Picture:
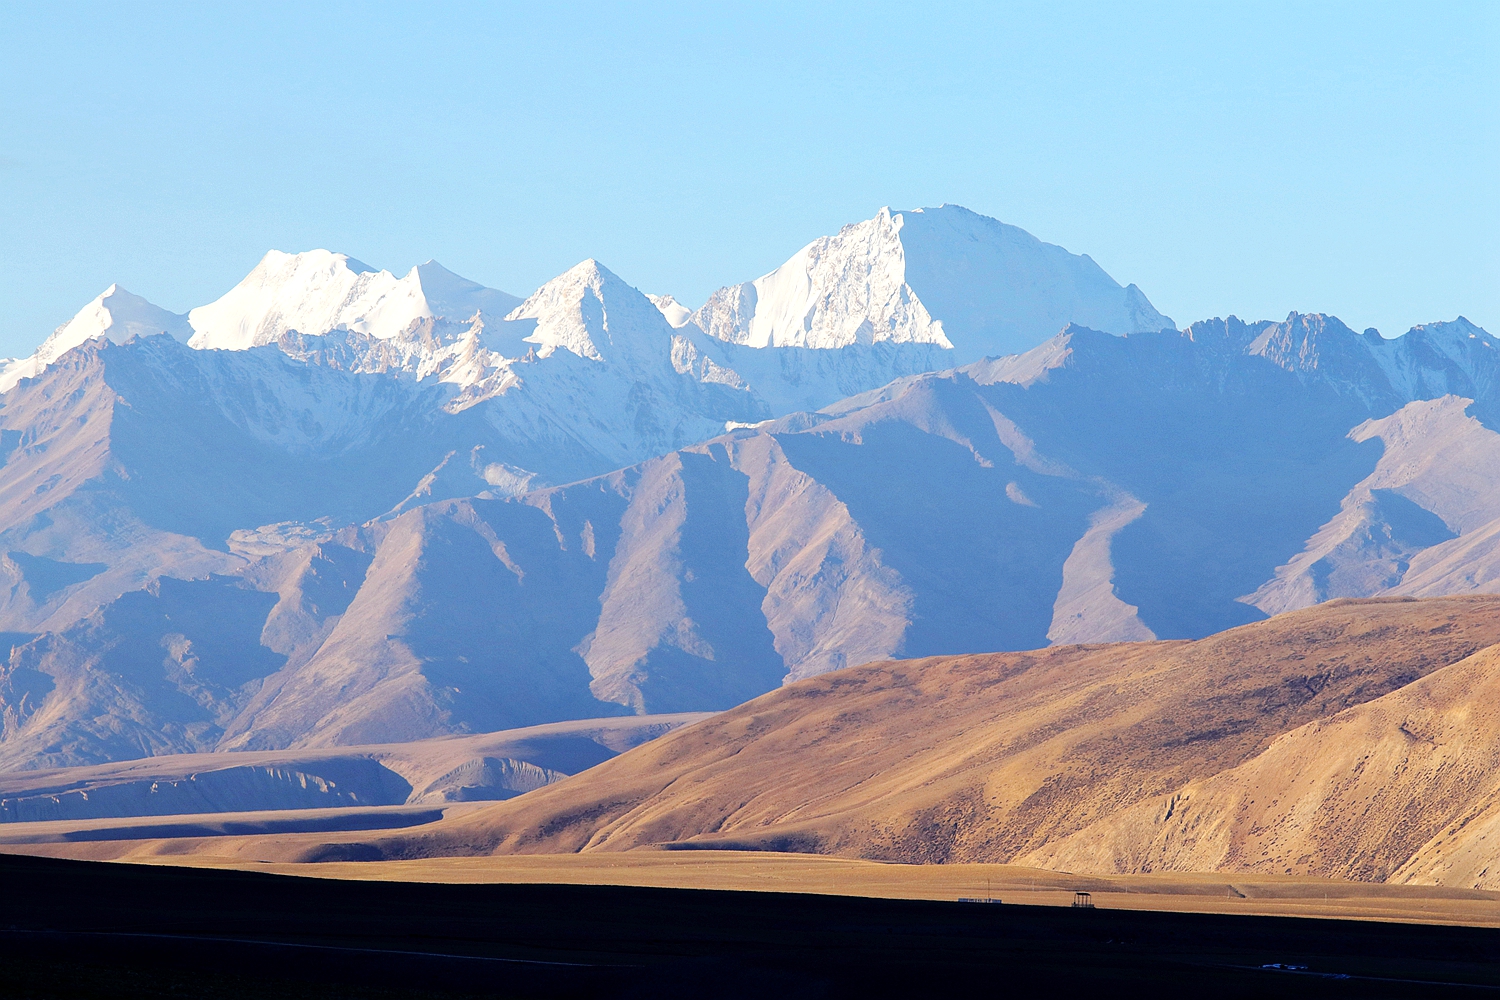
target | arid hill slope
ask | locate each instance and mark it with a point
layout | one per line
(982, 758)
(1404, 788)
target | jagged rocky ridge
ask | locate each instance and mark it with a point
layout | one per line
(351, 536)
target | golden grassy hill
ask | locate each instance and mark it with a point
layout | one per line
(1000, 757)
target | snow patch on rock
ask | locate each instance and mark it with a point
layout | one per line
(675, 313)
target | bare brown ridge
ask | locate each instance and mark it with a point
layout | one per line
(986, 758)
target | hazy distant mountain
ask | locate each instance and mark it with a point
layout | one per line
(1097, 488)
(1164, 485)
(998, 287)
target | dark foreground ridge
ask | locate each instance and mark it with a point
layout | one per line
(78, 929)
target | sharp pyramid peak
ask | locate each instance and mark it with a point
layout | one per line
(114, 292)
(432, 269)
(586, 274)
(565, 287)
(120, 304)
(591, 268)
(592, 312)
(435, 278)
(117, 296)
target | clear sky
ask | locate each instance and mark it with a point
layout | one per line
(1246, 158)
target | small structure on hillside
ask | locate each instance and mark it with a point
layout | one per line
(1082, 901)
(988, 896)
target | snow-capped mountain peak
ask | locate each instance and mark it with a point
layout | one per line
(944, 276)
(318, 291)
(115, 313)
(838, 290)
(311, 292)
(589, 311)
(455, 297)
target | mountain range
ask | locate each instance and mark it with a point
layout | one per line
(337, 507)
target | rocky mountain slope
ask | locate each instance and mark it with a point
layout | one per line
(1098, 488)
(1355, 739)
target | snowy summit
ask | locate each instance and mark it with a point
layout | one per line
(317, 292)
(944, 276)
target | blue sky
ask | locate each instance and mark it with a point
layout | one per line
(1229, 158)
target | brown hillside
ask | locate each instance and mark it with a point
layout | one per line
(1402, 788)
(979, 758)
